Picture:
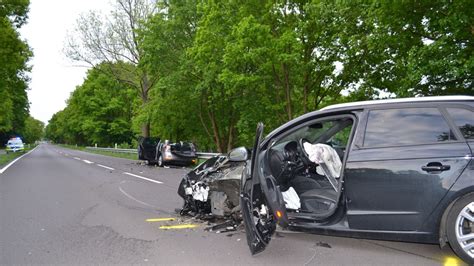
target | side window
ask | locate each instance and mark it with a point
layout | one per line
(407, 126)
(464, 120)
(341, 138)
(332, 132)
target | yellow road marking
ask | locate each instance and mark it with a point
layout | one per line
(451, 261)
(160, 219)
(180, 226)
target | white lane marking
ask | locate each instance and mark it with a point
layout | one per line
(106, 167)
(14, 161)
(144, 178)
(132, 198)
(77, 158)
(88, 162)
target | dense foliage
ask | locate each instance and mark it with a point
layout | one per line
(219, 67)
(33, 130)
(14, 55)
(98, 112)
(98, 39)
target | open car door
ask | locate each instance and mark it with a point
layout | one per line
(261, 201)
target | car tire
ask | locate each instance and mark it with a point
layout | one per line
(160, 161)
(460, 223)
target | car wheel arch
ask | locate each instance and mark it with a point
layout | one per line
(443, 238)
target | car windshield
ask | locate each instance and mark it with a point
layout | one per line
(15, 142)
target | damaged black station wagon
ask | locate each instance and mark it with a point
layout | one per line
(389, 169)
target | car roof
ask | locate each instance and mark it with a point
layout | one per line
(361, 105)
(400, 100)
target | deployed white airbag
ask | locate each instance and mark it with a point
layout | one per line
(329, 163)
(324, 154)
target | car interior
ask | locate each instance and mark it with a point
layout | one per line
(309, 160)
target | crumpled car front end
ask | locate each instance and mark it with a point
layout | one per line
(212, 189)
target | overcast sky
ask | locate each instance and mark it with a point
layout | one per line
(53, 76)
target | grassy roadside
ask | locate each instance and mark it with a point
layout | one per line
(6, 158)
(113, 154)
(106, 153)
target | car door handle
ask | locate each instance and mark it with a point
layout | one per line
(435, 167)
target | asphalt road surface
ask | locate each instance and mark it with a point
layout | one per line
(60, 206)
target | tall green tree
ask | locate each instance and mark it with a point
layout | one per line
(33, 130)
(14, 55)
(113, 39)
(100, 111)
(166, 38)
(412, 48)
(219, 67)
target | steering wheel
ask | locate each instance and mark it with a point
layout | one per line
(302, 151)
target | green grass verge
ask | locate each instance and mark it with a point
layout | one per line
(106, 153)
(5, 158)
(113, 154)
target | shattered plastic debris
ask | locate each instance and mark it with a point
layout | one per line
(219, 226)
(200, 191)
(322, 244)
(224, 227)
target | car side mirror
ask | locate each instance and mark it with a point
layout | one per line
(239, 154)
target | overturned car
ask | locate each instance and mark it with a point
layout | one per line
(212, 189)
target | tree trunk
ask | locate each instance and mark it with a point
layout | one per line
(146, 130)
(287, 89)
(230, 137)
(215, 130)
(279, 84)
(145, 88)
(305, 93)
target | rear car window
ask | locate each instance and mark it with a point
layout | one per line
(407, 126)
(464, 120)
(182, 146)
(151, 141)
